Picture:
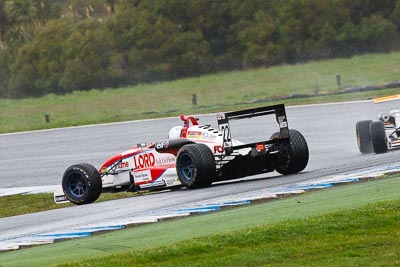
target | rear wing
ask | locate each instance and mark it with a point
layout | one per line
(280, 114)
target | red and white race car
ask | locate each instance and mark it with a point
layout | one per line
(193, 156)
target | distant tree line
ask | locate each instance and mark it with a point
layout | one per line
(58, 46)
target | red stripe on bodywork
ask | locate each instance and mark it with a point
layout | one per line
(123, 155)
(110, 161)
(155, 174)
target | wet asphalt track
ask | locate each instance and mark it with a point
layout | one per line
(40, 158)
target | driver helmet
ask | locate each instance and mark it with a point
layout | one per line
(175, 132)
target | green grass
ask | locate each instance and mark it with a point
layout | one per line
(350, 238)
(22, 204)
(352, 225)
(215, 92)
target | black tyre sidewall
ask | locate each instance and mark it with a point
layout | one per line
(293, 157)
(378, 137)
(363, 135)
(92, 180)
(204, 162)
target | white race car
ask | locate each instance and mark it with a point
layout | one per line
(384, 134)
(193, 156)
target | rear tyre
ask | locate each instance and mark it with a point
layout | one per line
(82, 184)
(293, 157)
(364, 137)
(378, 137)
(195, 166)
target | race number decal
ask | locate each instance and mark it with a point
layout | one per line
(226, 133)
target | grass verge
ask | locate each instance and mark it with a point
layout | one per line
(216, 92)
(350, 238)
(22, 204)
(349, 225)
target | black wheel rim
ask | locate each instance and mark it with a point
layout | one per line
(186, 167)
(76, 185)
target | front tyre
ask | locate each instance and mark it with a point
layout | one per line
(378, 137)
(195, 166)
(364, 137)
(293, 157)
(82, 184)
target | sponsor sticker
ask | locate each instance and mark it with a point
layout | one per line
(59, 196)
(162, 145)
(283, 124)
(194, 134)
(218, 149)
(170, 181)
(208, 135)
(144, 160)
(227, 144)
(142, 176)
(157, 183)
(123, 165)
(282, 121)
(107, 180)
(166, 161)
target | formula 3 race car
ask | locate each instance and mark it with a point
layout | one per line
(384, 134)
(193, 156)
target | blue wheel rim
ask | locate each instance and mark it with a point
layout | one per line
(76, 185)
(187, 167)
